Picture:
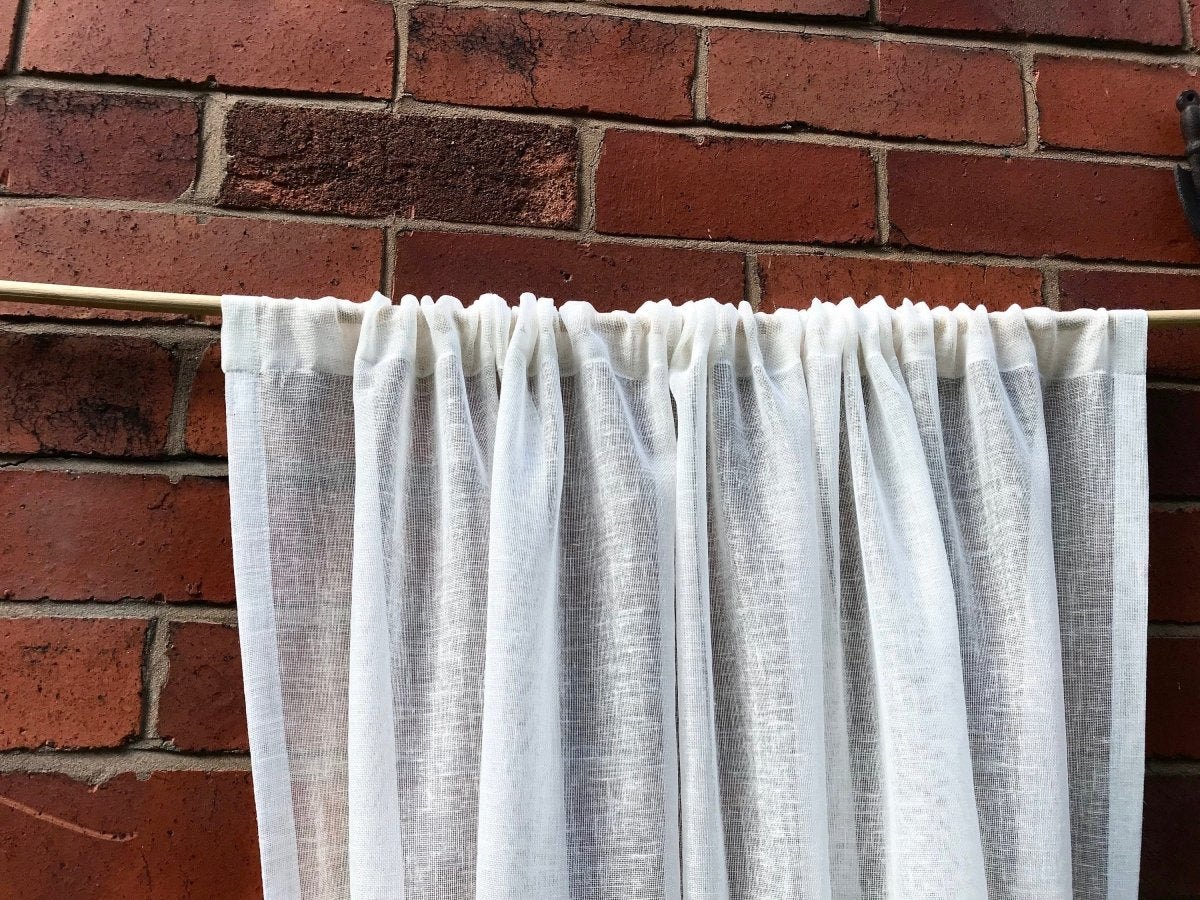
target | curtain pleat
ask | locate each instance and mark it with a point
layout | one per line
(693, 602)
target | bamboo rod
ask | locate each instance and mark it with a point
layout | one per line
(210, 304)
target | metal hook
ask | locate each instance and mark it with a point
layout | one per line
(1187, 179)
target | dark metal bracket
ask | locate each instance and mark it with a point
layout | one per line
(1187, 179)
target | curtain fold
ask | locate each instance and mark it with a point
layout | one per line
(692, 602)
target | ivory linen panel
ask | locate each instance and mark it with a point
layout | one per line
(693, 602)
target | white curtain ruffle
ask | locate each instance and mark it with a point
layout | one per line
(692, 602)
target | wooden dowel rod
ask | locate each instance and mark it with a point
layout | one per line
(1172, 318)
(210, 304)
(110, 298)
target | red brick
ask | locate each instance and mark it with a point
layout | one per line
(75, 144)
(673, 184)
(92, 394)
(1171, 352)
(1172, 696)
(793, 281)
(1170, 836)
(202, 706)
(1139, 21)
(70, 682)
(1174, 549)
(8, 19)
(200, 255)
(1173, 432)
(535, 60)
(377, 164)
(1110, 104)
(163, 836)
(334, 48)
(834, 8)
(1037, 207)
(205, 433)
(761, 78)
(609, 276)
(67, 536)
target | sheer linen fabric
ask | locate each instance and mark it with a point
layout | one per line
(695, 602)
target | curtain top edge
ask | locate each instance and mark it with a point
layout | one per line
(331, 335)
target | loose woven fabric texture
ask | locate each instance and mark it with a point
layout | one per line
(693, 602)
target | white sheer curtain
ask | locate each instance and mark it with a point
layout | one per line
(692, 602)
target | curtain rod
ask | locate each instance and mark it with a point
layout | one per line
(210, 304)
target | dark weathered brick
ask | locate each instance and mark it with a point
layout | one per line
(84, 393)
(71, 143)
(549, 60)
(377, 164)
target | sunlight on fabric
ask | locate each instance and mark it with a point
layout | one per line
(538, 602)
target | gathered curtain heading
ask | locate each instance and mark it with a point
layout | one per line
(692, 602)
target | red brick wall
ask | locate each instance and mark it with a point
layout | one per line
(1007, 151)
